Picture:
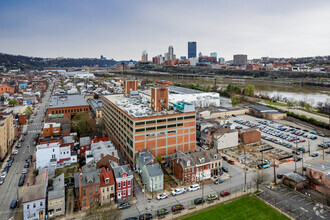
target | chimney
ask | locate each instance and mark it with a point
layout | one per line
(102, 155)
(113, 153)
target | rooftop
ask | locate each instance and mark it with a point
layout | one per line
(106, 147)
(47, 125)
(90, 174)
(297, 177)
(44, 146)
(136, 107)
(58, 189)
(144, 157)
(106, 174)
(62, 101)
(95, 103)
(37, 191)
(154, 170)
(262, 108)
(118, 171)
(84, 141)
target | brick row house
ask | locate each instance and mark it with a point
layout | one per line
(195, 166)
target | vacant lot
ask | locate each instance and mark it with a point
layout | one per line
(248, 207)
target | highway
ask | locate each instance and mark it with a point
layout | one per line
(9, 190)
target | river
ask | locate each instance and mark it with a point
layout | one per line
(297, 92)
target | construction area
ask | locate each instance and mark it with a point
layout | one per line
(257, 155)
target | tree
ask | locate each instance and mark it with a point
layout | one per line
(12, 102)
(159, 158)
(28, 111)
(260, 177)
(104, 212)
(308, 107)
(236, 99)
(84, 124)
(249, 90)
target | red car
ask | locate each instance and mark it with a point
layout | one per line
(224, 193)
(302, 140)
(231, 162)
(177, 207)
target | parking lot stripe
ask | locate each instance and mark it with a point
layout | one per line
(302, 199)
(294, 196)
(309, 203)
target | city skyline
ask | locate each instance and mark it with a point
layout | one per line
(122, 30)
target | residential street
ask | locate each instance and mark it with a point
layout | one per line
(10, 190)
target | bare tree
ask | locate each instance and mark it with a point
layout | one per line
(260, 177)
(105, 212)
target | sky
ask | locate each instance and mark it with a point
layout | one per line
(122, 29)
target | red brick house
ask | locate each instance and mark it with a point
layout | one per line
(124, 183)
(249, 135)
(183, 167)
(6, 89)
(85, 144)
(107, 186)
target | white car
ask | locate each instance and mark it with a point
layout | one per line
(3, 175)
(15, 152)
(178, 191)
(162, 196)
(25, 170)
(193, 187)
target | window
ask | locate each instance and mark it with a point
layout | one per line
(107, 180)
(151, 122)
(140, 123)
(90, 190)
(111, 188)
(96, 190)
(124, 183)
(124, 192)
(128, 183)
(171, 126)
(180, 124)
(171, 119)
(28, 206)
(119, 193)
(84, 192)
(151, 128)
(108, 197)
(90, 201)
(58, 210)
(50, 203)
(103, 190)
(118, 185)
(161, 120)
(180, 118)
(40, 203)
(84, 202)
(139, 130)
(61, 200)
(161, 127)
(129, 191)
(107, 189)
(103, 197)
(189, 117)
(34, 205)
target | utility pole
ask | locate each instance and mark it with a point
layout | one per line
(145, 202)
(323, 150)
(274, 172)
(203, 188)
(309, 147)
(152, 188)
(302, 164)
(295, 157)
(244, 168)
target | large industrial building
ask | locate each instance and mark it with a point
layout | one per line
(134, 123)
(68, 105)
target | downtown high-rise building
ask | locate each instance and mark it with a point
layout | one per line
(192, 49)
(144, 57)
(240, 59)
(170, 53)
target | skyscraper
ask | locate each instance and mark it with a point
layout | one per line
(240, 59)
(170, 52)
(192, 50)
(214, 54)
(144, 56)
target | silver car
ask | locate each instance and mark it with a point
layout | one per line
(25, 170)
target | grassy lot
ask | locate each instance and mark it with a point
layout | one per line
(275, 103)
(248, 207)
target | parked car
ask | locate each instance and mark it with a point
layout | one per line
(19, 145)
(327, 152)
(177, 207)
(224, 158)
(211, 197)
(218, 181)
(315, 155)
(231, 162)
(25, 170)
(178, 191)
(14, 204)
(146, 216)
(162, 212)
(224, 193)
(15, 152)
(225, 169)
(22, 139)
(162, 196)
(2, 180)
(25, 133)
(21, 180)
(3, 174)
(26, 165)
(124, 205)
(205, 148)
(199, 201)
(193, 187)
(297, 159)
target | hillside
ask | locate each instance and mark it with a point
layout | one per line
(28, 63)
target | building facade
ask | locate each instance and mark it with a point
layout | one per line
(6, 89)
(56, 197)
(7, 133)
(124, 183)
(52, 154)
(107, 186)
(192, 49)
(133, 126)
(240, 60)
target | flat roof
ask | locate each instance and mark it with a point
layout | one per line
(135, 107)
(68, 100)
(323, 167)
(262, 108)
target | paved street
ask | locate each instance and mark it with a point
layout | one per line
(10, 190)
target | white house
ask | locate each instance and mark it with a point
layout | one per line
(53, 155)
(222, 140)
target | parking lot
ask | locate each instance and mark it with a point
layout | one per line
(295, 204)
(282, 134)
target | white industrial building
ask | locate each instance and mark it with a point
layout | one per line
(53, 155)
(101, 149)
